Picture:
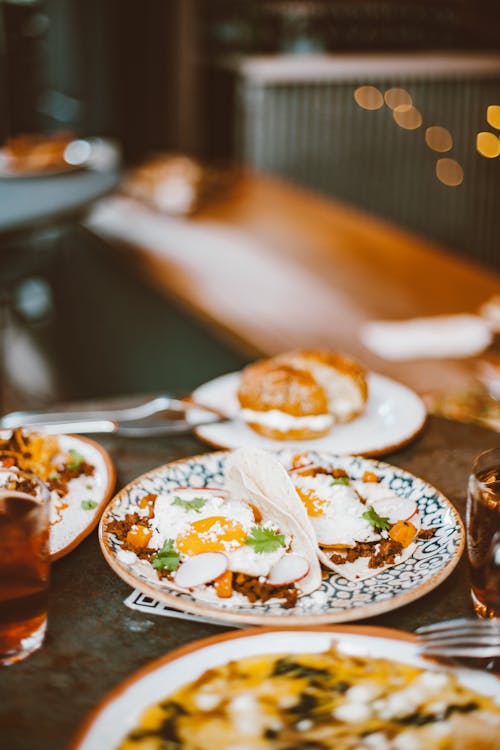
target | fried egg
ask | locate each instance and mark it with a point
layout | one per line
(335, 511)
(211, 534)
(200, 521)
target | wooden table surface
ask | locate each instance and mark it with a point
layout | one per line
(275, 267)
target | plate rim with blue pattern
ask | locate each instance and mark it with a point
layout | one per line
(337, 600)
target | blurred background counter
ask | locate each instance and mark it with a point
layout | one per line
(389, 107)
(274, 267)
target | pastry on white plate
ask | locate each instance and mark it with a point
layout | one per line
(301, 394)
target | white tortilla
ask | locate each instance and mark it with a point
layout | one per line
(359, 570)
(261, 474)
(258, 477)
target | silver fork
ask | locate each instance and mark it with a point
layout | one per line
(134, 421)
(463, 637)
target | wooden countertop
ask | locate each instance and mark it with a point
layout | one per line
(275, 267)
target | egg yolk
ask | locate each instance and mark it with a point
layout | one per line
(213, 534)
(314, 505)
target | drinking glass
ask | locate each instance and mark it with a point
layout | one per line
(483, 532)
(24, 564)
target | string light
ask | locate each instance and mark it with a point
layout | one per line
(493, 116)
(397, 98)
(488, 144)
(407, 117)
(438, 138)
(368, 97)
(449, 172)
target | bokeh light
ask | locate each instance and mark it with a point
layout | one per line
(488, 144)
(368, 97)
(407, 117)
(449, 172)
(493, 116)
(438, 138)
(397, 98)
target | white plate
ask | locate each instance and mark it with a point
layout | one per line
(394, 415)
(121, 710)
(337, 600)
(71, 518)
(8, 173)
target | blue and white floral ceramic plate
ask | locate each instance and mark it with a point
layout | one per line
(338, 600)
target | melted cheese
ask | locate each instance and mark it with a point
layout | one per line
(322, 700)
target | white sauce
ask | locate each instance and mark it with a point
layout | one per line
(341, 521)
(342, 391)
(280, 420)
(245, 560)
(127, 557)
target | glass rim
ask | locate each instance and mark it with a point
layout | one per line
(44, 490)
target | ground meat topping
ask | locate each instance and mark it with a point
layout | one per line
(426, 533)
(256, 590)
(380, 553)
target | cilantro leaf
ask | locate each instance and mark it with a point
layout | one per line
(76, 459)
(265, 540)
(167, 558)
(54, 475)
(89, 504)
(196, 503)
(340, 480)
(378, 522)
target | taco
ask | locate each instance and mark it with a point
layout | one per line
(227, 544)
(361, 526)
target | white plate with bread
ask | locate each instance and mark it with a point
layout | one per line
(314, 400)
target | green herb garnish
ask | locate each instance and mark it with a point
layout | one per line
(76, 460)
(265, 540)
(167, 558)
(89, 504)
(196, 503)
(54, 475)
(378, 522)
(340, 480)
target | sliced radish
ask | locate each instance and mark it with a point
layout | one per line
(200, 490)
(202, 568)
(288, 569)
(395, 508)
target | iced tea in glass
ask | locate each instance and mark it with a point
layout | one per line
(483, 533)
(24, 564)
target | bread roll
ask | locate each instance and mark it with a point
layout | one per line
(299, 395)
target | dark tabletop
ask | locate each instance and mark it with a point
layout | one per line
(94, 641)
(31, 202)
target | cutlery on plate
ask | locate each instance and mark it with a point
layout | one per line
(463, 637)
(133, 421)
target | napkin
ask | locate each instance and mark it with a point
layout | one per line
(439, 336)
(139, 601)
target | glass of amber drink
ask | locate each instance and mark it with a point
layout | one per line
(24, 564)
(483, 532)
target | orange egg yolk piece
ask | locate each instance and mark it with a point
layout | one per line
(315, 506)
(213, 534)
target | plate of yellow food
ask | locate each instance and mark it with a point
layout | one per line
(252, 537)
(282, 689)
(311, 399)
(78, 472)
